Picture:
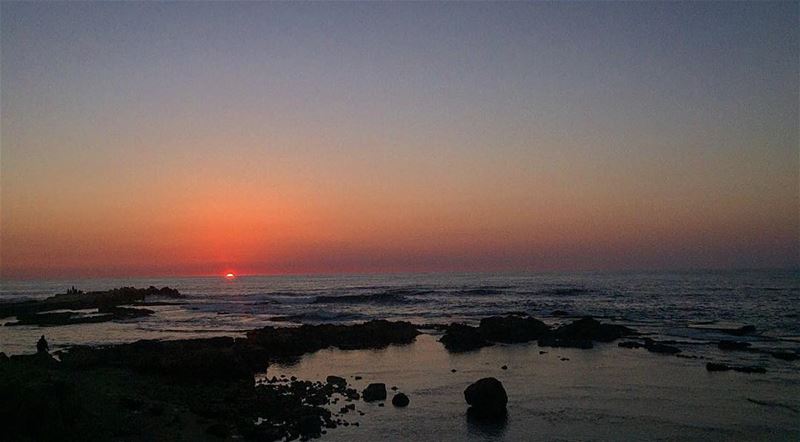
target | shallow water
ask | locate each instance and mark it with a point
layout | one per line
(602, 393)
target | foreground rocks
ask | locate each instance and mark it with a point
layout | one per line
(188, 389)
(487, 398)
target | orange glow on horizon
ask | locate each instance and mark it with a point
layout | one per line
(230, 276)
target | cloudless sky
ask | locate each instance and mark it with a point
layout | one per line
(172, 138)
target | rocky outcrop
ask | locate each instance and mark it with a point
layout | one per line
(512, 328)
(461, 337)
(308, 338)
(487, 397)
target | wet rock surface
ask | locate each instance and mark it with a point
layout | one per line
(486, 398)
(461, 337)
(374, 392)
(400, 400)
(308, 338)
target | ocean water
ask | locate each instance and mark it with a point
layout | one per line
(606, 393)
(689, 307)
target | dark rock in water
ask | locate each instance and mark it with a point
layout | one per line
(394, 388)
(591, 329)
(452, 370)
(512, 329)
(400, 400)
(487, 397)
(630, 344)
(219, 430)
(505, 367)
(554, 341)
(283, 342)
(560, 313)
(358, 378)
(784, 355)
(460, 338)
(77, 300)
(3, 357)
(713, 366)
(741, 331)
(336, 381)
(733, 345)
(656, 347)
(374, 392)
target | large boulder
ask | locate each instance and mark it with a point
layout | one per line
(374, 392)
(487, 397)
(512, 328)
(461, 337)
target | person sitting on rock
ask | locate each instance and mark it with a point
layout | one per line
(42, 346)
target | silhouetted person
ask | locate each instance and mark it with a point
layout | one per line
(42, 346)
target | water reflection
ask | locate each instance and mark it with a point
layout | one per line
(491, 426)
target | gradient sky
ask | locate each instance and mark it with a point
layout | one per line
(196, 138)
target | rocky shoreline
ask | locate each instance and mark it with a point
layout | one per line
(206, 388)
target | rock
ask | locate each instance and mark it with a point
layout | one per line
(394, 388)
(733, 345)
(512, 329)
(452, 370)
(487, 397)
(461, 338)
(590, 329)
(554, 341)
(747, 369)
(219, 430)
(505, 367)
(374, 392)
(295, 341)
(784, 355)
(358, 378)
(655, 347)
(400, 400)
(713, 366)
(741, 331)
(336, 381)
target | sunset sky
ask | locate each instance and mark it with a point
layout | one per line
(267, 138)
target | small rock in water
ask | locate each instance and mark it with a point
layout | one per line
(374, 392)
(337, 381)
(380, 404)
(733, 345)
(784, 355)
(565, 359)
(541, 352)
(358, 378)
(453, 370)
(394, 388)
(400, 400)
(741, 331)
(487, 397)
(505, 367)
(713, 366)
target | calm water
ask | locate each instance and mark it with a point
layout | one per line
(683, 306)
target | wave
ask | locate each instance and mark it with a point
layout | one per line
(564, 291)
(318, 316)
(481, 291)
(379, 298)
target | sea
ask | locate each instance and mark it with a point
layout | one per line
(692, 307)
(606, 393)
